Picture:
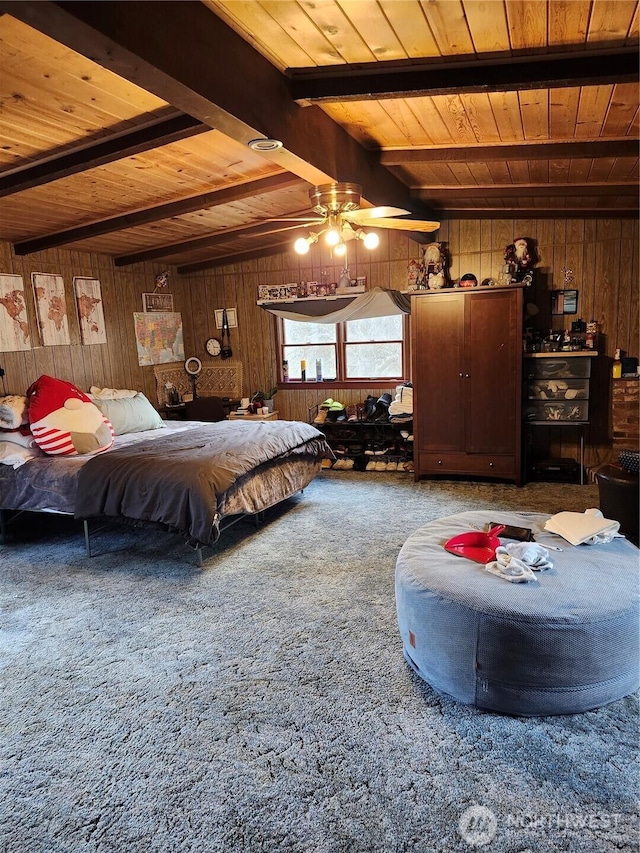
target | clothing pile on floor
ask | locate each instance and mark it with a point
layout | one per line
(401, 409)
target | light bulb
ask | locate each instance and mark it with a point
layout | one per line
(332, 237)
(340, 249)
(301, 245)
(371, 240)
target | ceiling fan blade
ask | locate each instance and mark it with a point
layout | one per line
(368, 213)
(405, 224)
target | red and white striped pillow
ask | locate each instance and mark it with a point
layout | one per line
(64, 421)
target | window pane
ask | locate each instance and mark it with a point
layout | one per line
(365, 361)
(326, 354)
(375, 329)
(306, 333)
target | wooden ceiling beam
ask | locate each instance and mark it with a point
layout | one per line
(585, 149)
(225, 195)
(142, 138)
(508, 73)
(217, 238)
(187, 56)
(519, 190)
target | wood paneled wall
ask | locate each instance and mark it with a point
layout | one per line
(602, 254)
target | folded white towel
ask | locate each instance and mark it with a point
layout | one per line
(583, 528)
(404, 408)
(404, 394)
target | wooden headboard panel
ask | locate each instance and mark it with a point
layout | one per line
(216, 379)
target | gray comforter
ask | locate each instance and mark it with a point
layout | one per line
(177, 479)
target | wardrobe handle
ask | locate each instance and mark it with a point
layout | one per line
(466, 376)
(461, 375)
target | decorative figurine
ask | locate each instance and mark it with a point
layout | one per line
(434, 265)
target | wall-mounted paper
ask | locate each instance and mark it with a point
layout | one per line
(15, 334)
(90, 313)
(51, 309)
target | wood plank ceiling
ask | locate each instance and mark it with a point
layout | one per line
(124, 126)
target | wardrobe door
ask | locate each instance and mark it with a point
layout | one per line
(492, 372)
(437, 325)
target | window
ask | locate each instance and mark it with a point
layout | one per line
(354, 351)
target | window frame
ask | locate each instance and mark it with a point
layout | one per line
(340, 344)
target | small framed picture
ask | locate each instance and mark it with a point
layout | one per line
(232, 318)
(564, 301)
(157, 302)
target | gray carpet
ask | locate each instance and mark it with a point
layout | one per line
(262, 703)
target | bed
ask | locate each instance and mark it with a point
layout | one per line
(190, 478)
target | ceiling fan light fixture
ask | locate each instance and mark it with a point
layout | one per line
(371, 240)
(264, 144)
(302, 244)
(340, 249)
(332, 237)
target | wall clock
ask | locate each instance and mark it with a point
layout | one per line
(213, 346)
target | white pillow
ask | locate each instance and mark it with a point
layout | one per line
(16, 455)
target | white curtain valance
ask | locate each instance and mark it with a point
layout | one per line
(377, 302)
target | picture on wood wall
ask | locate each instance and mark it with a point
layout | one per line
(15, 334)
(51, 309)
(232, 318)
(157, 302)
(158, 337)
(90, 313)
(564, 301)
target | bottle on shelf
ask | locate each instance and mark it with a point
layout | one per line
(318, 370)
(285, 371)
(303, 369)
(617, 365)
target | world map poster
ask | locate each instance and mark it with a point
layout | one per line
(51, 309)
(158, 337)
(15, 334)
(90, 313)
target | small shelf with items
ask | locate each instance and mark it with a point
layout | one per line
(368, 445)
(556, 394)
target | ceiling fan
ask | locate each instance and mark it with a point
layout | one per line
(338, 213)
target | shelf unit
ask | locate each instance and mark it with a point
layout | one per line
(555, 395)
(369, 441)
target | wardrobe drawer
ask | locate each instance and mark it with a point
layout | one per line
(474, 464)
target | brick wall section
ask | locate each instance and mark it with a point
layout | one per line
(625, 415)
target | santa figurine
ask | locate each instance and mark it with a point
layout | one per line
(64, 421)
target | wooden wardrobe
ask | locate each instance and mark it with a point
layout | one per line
(467, 377)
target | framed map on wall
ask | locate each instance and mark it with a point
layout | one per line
(15, 334)
(51, 309)
(90, 313)
(158, 337)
